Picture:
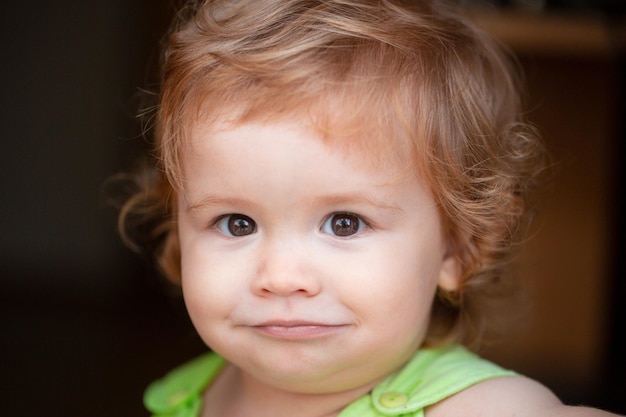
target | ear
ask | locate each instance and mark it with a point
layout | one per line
(450, 273)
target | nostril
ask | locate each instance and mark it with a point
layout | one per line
(286, 285)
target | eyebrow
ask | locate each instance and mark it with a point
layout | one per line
(358, 199)
(211, 200)
(328, 200)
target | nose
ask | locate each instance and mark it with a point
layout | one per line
(285, 269)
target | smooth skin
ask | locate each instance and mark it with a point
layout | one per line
(312, 271)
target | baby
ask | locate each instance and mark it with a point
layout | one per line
(338, 188)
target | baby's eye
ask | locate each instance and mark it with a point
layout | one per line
(236, 225)
(343, 224)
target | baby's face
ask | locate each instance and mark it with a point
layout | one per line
(305, 266)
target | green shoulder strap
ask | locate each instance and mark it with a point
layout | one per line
(431, 376)
(179, 393)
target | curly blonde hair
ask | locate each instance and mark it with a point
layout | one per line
(414, 78)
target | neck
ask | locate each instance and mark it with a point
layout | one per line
(237, 394)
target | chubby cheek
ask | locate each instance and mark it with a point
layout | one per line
(397, 290)
(403, 305)
(209, 288)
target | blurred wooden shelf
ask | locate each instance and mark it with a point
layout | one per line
(549, 33)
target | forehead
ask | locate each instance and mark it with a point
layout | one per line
(286, 162)
(367, 144)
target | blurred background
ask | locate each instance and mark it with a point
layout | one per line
(85, 324)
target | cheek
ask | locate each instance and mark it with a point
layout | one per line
(209, 284)
(403, 262)
(209, 297)
(399, 282)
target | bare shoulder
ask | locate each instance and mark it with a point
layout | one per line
(509, 396)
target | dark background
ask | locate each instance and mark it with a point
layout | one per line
(84, 323)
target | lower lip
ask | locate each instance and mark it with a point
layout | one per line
(298, 332)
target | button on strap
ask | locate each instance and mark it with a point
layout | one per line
(393, 399)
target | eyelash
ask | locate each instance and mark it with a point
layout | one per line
(227, 223)
(223, 224)
(362, 225)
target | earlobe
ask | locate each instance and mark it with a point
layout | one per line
(450, 274)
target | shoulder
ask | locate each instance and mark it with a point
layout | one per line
(509, 396)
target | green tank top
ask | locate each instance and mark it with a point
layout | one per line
(429, 377)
